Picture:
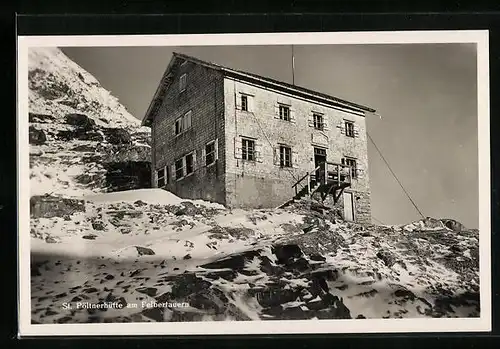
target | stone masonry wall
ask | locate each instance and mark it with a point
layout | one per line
(204, 97)
(263, 183)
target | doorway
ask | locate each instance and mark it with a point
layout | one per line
(348, 207)
(319, 158)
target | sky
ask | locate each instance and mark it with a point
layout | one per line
(426, 95)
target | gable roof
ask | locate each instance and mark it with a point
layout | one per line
(257, 79)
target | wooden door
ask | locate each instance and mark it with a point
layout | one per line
(348, 207)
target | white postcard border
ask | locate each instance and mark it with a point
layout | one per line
(483, 323)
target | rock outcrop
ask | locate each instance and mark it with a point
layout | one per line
(82, 139)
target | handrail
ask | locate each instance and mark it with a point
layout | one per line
(300, 180)
(306, 175)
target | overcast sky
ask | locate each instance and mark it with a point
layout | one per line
(426, 94)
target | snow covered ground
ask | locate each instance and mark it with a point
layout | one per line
(151, 246)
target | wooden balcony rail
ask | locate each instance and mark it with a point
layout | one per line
(326, 173)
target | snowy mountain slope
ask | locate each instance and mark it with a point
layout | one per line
(199, 261)
(82, 140)
(58, 86)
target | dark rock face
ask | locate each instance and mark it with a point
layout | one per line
(81, 134)
(47, 206)
(127, 175)
(36, 137)
(117, 136)
(80, 120)
(40, 118)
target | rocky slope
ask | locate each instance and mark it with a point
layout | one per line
(82, 140)
(146, 255)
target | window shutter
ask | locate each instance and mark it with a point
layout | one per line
(292, 115)
(342, 127)
(187, 120)
(276, 156)
(310, 121)
(237, 148)
(250, 104)
(295, 159)
(173, 129)
(156, 179)
(216, 149)
(356, 130)
(174, 173)
(325, 124)
(238, 101)
(258, 152)
(194, 160)
(359, 173)
(277, 111)
(203, 161)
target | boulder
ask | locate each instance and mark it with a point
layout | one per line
(40, 118)
(453, 224)
(80, 121)
(144, 251)
(117, 135)
(47, 206)
(36, 137)
(386, 257)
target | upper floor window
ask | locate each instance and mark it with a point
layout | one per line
(349, 128)
(318, 121)
(284, 112)
(182, 82)
(352, 163)
(248, 149)
(183, 123)
(285, 156)
(244, 103)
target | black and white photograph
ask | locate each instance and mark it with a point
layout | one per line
(294, 183)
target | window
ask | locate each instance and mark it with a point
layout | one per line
(183, 123)
(179, 168)
(284, 112)
(182, 82)
(210, 153)
(248, 149)
(285, 156)
(352, 163)
(318, 121)
(178, 126)
(244, 103)
(189, 164)
(349, 128)
(160, 178)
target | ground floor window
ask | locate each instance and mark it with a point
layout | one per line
(248, 149)
(160, 178)
(210, 153)
(179, 168)
(285, 156)
(352, 163)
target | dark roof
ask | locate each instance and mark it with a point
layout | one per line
(261, 80)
